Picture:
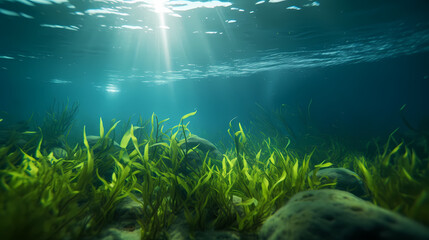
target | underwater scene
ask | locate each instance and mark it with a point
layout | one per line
(214, 119)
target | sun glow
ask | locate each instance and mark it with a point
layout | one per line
(160, 8)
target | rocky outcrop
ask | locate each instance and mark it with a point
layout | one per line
(194, 159)
(203, 145)
(346, 180)
(92, 140)
(59, 152)
(336, 215)
(124, 224)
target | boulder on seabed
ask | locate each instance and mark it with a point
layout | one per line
(92, 140)
(346, 180)
(124, 225)
(336, 215)
(204, 145)
(59, 152)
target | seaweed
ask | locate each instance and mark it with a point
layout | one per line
(76, 195)
(57, 123)
(285, 124)
(39, 199)
(397, 179)
(419, 138)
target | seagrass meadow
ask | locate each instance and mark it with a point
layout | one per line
(53, 190)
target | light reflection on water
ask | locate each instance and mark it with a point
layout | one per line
(160, 42)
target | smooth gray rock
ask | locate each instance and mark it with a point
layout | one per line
(179, 230)
(204, 145)
(92, 140)
(195, 159)
(59, 152)
(216, 235)
(127, 212)
(338, 215)
(124, 225)
(114, 233)
(346, 180)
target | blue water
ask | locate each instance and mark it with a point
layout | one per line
(357, 62)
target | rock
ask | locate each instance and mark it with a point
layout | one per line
(59, 152)
(333, 215)
(124, 225)
(113, 233)
(236, 201)
(204, 145)
(92, 140)
(346, 180)
(179, 230)
(127, 212)
(216, 235)
(195, 159)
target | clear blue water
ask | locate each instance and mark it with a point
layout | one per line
(358, 61)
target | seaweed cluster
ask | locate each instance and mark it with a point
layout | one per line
(397, 179)
(57, 123)
(44, 196)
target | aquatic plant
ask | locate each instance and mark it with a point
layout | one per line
(152, 173)
(286, 123)
(205, 195)
(418, 136)
(38, 199)
(57, 123)
(397, 179)
(263, 186)
(43, 197)
(76, 195)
